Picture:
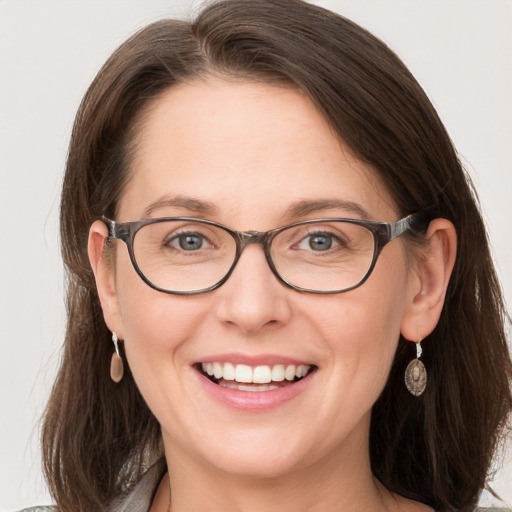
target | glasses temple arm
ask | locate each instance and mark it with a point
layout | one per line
(112, 228)
(399, 227)
(417, 222)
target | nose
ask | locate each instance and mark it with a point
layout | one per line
(253, 298)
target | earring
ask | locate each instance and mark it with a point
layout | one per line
(116, 363)
(416, 374)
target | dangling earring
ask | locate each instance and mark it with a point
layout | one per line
(416, 374)
(116, 363)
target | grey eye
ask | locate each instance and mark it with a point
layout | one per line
(317, 242)
(188, 241)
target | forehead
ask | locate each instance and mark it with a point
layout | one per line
(244, 147)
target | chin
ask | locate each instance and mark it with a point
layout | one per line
(261, 467)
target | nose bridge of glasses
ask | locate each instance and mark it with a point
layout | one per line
(251, 237)
(245, 238)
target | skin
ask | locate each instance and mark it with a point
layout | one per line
(252, 150)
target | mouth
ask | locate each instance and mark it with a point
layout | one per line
(260, 378)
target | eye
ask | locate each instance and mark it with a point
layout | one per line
(187, 241)
(318, 242)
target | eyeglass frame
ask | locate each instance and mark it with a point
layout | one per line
(383, 233)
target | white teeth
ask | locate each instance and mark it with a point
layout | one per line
(217, 370)
(248, 387)
(304, 370)
(243, 373)
(228, 372)
(264, 374)
(278, 373)
(290, 372)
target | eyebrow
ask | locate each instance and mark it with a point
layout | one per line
(189, 203)
(297, 209)
(306, 207)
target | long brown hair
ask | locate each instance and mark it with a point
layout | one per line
(99, 437)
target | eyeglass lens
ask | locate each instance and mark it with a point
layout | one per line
(184, 256)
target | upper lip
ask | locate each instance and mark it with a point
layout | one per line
(252, 360)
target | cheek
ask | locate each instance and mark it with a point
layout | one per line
(364, 328)
(155, 324)
(364, 337)
(381, 305)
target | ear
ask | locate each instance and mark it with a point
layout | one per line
(430, 276)
(104, 274)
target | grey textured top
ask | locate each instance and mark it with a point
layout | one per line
(39, 509)
(137, 500)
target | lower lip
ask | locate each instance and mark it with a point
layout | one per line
(255, 400)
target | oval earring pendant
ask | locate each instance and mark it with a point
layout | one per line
(416, 377)
(116, 368)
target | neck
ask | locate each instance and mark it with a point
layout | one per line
(325, 484)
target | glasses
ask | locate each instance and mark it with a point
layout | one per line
(187, 256)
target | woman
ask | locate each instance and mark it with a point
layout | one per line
(355, 360)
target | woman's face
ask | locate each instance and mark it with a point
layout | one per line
(246, 155)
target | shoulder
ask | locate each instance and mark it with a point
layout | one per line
(45, 508)
(139, 498)
(492, 509)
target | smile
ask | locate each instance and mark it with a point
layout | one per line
(261, 378)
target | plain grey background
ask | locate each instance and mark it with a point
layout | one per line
(459, 50)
